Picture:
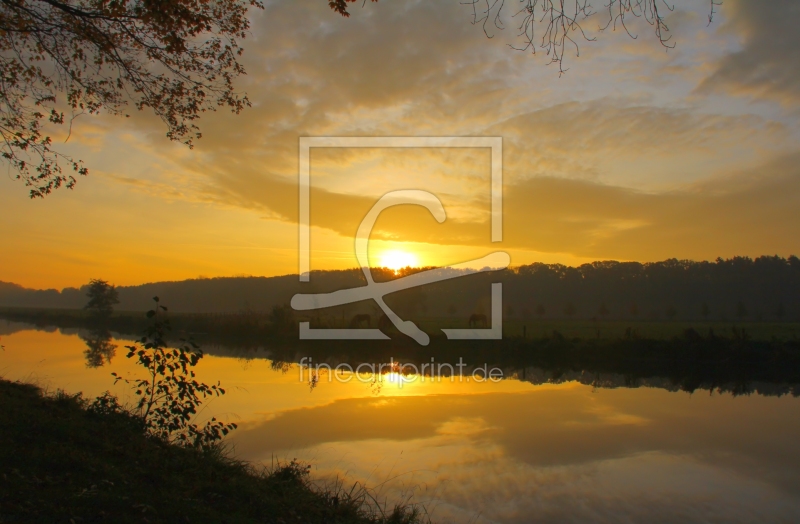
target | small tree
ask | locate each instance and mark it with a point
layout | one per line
(705, 311)
(102, 298)
(169, 396)
(634, 310)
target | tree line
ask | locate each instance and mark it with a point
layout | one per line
(737, 289)
(734, 289)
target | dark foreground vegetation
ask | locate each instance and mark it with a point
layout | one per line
(65, 460)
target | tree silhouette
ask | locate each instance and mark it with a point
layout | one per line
(102, 298)
(761, 283)
(64, 58)
(169, 394)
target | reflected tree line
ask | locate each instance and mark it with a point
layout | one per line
(729, 362)
(724, 363)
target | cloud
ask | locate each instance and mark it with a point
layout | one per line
(420, 68)
(597, 164)
(746, 213)
(749, 212)
(766, 64)
(632, 144)
(553, 454)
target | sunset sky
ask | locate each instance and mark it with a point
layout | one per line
(635, 153)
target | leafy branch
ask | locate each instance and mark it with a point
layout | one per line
(178, 58)
(169, 394)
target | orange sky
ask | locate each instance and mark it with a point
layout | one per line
(634, 154)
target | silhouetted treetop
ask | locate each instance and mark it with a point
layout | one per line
(102, 298)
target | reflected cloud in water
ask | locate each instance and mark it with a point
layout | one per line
(571, 447)
(568, 453)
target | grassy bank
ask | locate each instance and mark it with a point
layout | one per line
(61, 461)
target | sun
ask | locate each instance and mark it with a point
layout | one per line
(396, 259)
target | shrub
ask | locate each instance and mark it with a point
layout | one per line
(169, 396)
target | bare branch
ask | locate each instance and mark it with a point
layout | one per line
(560, 22)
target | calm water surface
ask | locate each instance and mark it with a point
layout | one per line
(509, 451)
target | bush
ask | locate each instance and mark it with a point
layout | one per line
(169, 396)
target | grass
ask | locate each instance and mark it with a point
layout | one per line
(62, 461)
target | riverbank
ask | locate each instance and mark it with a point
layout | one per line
(65, 462)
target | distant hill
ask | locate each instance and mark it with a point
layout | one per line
(736, 289)
(14, 295)
(193, 296)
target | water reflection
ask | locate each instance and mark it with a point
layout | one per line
(99, 348)
(543, 445)
(559, 453)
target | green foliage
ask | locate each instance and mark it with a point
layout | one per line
(102, 298)
(169, 396)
